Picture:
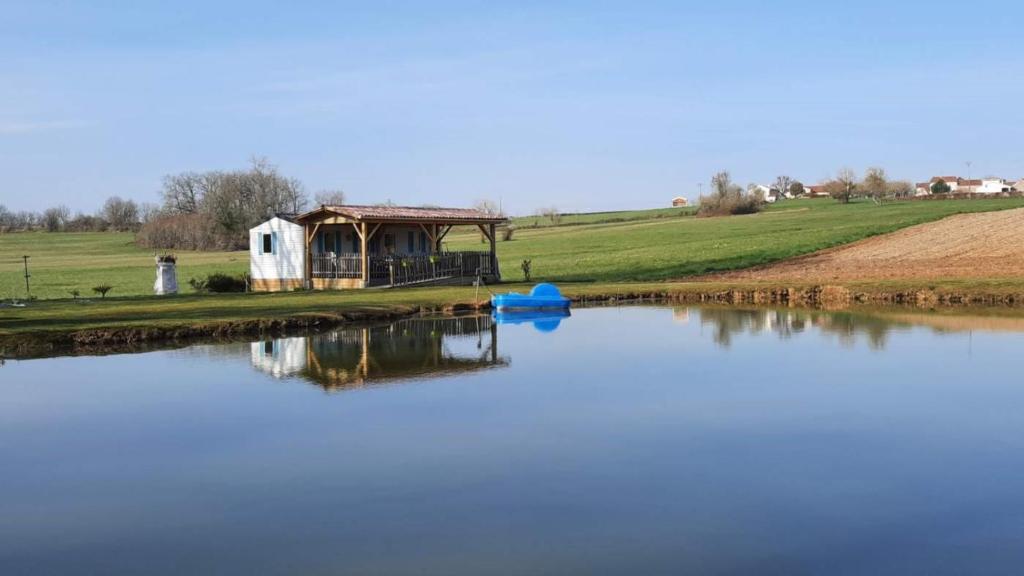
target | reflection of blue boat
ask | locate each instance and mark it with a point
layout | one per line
(543, 320)
(542, 297)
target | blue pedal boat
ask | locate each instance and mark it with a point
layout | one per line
(542, 297)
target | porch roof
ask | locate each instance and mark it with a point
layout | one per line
(402, 214)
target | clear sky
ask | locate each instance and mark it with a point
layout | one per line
(579, 105)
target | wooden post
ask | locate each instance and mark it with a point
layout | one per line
(363, 241)
(492, 229)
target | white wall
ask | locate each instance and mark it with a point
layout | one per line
(281, 357)
(991, 186)
(290, 260)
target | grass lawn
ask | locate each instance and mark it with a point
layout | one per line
(63, 262)
(672, 248)
(602, 247)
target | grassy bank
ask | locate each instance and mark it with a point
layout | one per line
(154, 313)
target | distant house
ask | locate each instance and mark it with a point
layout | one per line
(1018, 186)
(769, 194)
(817, 191)
(993, 186)
(336, 247)
(679, 202)
(972, 186)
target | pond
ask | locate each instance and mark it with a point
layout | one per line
(625, 440)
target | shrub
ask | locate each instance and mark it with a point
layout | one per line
(102, 290)
(507, 232)
(186, 232)
(526, 269)
(220, 283)
(726, 198)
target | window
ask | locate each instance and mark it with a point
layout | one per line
(268, 244)
(423, 242)
(412, 242)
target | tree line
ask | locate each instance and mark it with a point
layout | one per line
(116, 215)
(210, 210)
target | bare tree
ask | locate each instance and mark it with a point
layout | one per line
(489, 207)
(121, 214)
(334, 197)
(56, 219)
(728, 198)
(782, 184)
(183, 192)
(843, 186)
(552, 214)
(900, 189)
(875, 183)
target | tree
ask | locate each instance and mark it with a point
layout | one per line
(489, 207)
(901, 189)
(796, 189)
(330, 198)
(121, 214)
(183, 192)
(551, 213)
(875, 183)
(782, 184)
(941, 187)
(56, 219)
(843, 186)
(728, 198)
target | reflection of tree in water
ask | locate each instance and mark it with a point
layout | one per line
(414, 348)
(727, 323)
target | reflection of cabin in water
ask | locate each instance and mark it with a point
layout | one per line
(407, 349)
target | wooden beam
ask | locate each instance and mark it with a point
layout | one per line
(487, 231)
(428, 232)
(358, 231)
(441, 236)
(363, 240)
(309, 254)
(372, 232)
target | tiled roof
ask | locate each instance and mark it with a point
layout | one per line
(407, 214)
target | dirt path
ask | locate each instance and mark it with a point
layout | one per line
(986, 245)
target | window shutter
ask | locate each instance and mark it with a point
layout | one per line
(259, 243)
(273, 242)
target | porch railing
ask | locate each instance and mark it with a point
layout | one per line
(330, 265)
(398, 270)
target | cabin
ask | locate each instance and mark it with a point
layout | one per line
(679, 202)
(341, 247)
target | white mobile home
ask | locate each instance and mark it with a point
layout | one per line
(277, 255)
(335, 247)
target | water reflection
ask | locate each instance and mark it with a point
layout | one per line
(875, 328)
(542, 320)
(358, 356)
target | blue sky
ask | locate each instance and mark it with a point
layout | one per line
(579, 105)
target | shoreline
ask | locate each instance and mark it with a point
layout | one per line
(149, 321)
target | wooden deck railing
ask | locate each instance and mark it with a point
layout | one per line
(330, 265)
(404, 269)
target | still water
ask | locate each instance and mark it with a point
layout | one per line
(636, 440)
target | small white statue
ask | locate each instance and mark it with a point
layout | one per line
(166, 275)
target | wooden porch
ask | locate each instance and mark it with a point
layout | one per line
(363, 248)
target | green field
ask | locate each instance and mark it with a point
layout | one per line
(670, 248)
(600, 247)
(63, 262)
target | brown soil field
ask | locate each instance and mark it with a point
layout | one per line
(986, 245)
